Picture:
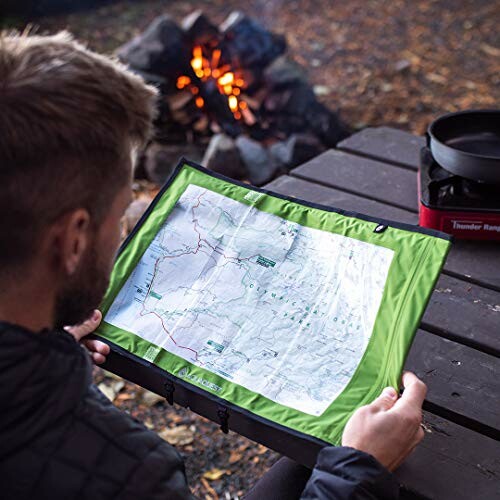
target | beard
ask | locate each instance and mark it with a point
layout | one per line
(82, 292)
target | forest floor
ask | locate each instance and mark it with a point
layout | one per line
(400, 63)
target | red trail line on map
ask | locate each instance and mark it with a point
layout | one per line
(160, 259)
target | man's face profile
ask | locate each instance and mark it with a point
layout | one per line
(82, 291)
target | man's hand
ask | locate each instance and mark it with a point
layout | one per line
(389, 428)
(98, 350)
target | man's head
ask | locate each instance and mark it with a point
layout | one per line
(70, 123)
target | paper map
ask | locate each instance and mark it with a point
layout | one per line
(281, 309)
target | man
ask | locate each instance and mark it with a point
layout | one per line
(70, 123)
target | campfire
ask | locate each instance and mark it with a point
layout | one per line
(232, 91)
(212, 74)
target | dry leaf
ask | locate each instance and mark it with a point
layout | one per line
(214, 474)
(108, 391)
(150, 398)
(235, 457)
(111, 375)
(213, 494)
(118, 385)
(180, 435)
(490, 50)
(124, 397)
(434, 77)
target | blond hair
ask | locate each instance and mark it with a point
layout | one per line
(68, 120)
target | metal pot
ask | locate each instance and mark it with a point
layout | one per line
(467, 143)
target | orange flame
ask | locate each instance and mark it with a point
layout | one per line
(228, 82)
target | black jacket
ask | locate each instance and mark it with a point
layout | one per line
(60, 438)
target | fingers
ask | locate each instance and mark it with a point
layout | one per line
(420, 434)
(386, 399)
(96, 346)
(414, 391)
(83, 329)
(97, 358)
(98, 350)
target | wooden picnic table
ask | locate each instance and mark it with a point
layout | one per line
(457, 348)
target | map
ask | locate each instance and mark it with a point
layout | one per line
(284, 310)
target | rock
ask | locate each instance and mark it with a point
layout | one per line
(162, 49)
(283, 71)
(134, 212)
(296, 109)
(321, 90)
(325, 124)
(248, 43)
(199, 29)
(260, 165)
(160, 160)
(277, 100)
(301, 99)
(296, 150)
(402, 65)
(222, 156)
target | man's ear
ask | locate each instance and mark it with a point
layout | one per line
(72, 239)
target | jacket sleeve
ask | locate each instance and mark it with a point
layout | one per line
(161, 476)
(347, 474)
(143, 465)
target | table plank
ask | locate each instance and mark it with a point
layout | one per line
(477, 262)
(452, 463)
(323, 195)
(462, 383)
(395, 186)
(466, 313)
(386, 144)
(372, 179)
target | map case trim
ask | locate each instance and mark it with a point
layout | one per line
(419, 256)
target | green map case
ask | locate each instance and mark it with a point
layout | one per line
(273, 316)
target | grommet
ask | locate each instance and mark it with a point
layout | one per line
(380, 228)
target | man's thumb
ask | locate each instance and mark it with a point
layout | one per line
(386, 400)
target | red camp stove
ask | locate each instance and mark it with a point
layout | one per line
(462, 207)
(459, 178)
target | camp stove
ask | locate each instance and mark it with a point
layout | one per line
(459, 177)
(462, 207)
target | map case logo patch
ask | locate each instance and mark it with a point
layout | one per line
(185, 374)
